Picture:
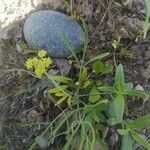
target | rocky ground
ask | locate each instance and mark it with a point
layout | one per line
(106, 21)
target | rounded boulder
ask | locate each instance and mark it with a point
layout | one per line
(47, 30)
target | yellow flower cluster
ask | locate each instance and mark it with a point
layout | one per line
(39, 64)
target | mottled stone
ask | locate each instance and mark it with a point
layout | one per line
(42, 142)
(42, 30)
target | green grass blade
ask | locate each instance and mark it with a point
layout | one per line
(148, 10)
(146, 25)
(146, 29)
(97, 57)
(86, 39)
(58, 89)
(61, 79)
(69, 46)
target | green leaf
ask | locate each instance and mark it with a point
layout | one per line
(119, 79)
(69, 45)
(123, 131)
(102, 118)
(83, 74)
(139, 139)
(117, 4)
(58, 89)
(98, 107)
(128, 86)
(98, 67)
(61, 79)
(146, 25)
(67, 6)
(61, 100)
(148, 10)
(141, 122)
(127, 143)
(86, 84)
(111, 110)
(112, 121)
(115, 44)
(119, 106)
(108, 89)
(95, 117)
(136, 93)
(103, 144)
(146, 29)
(88, 119)
(97, 57)
(94, 95)
(98, 117)
(108, 69)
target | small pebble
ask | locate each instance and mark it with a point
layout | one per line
(139, 88)
(42, 142)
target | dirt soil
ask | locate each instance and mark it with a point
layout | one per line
(20, 105)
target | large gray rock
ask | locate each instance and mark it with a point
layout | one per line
(42, 30)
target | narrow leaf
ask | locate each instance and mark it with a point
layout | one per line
(58, 89)
(119, 79)
(98, 57)
(146, 25)
(69, 101)
(98, 107)
(104, 145)
(86, 84)
(119, 105)
(67, 6)
(59, 94)
(139, 139)
(108, 89)
(148, 10)
(61, 100)
(139, 123)
(146, 29)
(112, 121)
(69, 45)
(136, 93)
(61, 79)
(123, 131)
(127, 143)
(111, 110)
(83, 74)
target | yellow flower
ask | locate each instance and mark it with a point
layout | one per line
(40, 68)
(35, 61)
(42, 53)
(39, 72)
(29, 63)
(39, 64)
(47, 62)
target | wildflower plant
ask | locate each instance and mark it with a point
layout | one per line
(39, 64)
(92, 104)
